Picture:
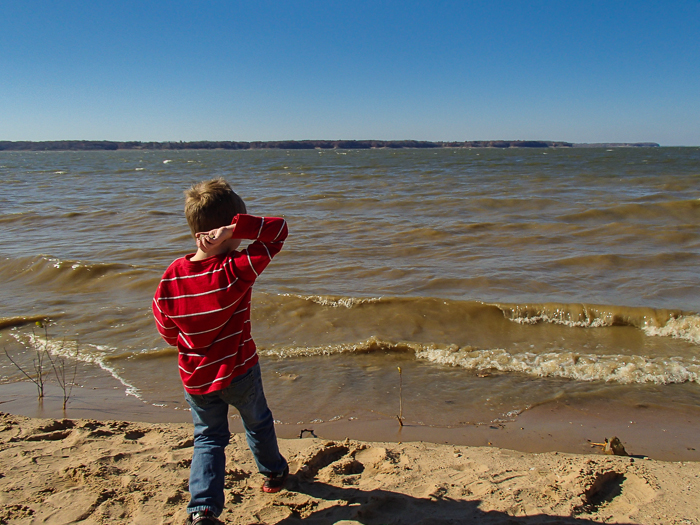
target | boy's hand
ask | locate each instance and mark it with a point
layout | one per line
(211, 239)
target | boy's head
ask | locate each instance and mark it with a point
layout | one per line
(211, 204)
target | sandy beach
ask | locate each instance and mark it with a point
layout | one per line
(88, 471)
(61, 471)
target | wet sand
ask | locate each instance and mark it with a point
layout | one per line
(645, 431)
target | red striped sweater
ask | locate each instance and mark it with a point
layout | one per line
(203, 307)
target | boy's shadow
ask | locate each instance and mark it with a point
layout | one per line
(383, 507)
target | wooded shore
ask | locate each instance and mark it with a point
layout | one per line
(88, 145)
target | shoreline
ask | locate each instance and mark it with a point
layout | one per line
(646, 432)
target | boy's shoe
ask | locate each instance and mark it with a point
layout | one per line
(203, 517)
(275, 482)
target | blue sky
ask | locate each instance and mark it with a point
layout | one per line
(264, 70)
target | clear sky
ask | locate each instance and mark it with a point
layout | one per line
(578, 71)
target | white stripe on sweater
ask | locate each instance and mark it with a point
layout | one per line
(198, 294)
(197, 274)
(215, 341)
(180, 336)
(227, 336)
(207, 331)
(220, 378)
(218, 360)
(158, 307)
(204, 313)
(162, 325)
(244, 309)
(251, 265)
(279, 232)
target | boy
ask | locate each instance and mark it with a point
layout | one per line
(202, 306)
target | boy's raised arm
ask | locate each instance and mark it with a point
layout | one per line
(248, 227)
(269, 234)
(263, 229)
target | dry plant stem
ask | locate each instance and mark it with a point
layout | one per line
(59, 369)
(39, 379)
(58, 365)
(39, 361)
(400, 416)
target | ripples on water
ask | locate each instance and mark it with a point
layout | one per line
(554, 272)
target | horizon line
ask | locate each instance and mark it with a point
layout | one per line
(81, 144)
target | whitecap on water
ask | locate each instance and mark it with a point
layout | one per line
(686, 327)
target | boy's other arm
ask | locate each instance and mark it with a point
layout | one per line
(165, 325)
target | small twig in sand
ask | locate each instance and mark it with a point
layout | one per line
(400, 416)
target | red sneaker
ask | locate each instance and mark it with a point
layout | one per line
(203, 518)
(275, 482)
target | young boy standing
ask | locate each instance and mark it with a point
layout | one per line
(202, 306)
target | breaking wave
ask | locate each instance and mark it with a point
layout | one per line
(622, 369)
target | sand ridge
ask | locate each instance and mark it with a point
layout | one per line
(98, 472)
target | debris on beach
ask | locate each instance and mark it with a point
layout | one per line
(612, 447)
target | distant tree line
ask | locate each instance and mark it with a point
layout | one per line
(88, 145)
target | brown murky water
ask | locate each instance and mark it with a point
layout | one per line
(496, 279)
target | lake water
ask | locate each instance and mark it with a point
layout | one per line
(496, 280)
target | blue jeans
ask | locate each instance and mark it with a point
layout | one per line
(211, 435)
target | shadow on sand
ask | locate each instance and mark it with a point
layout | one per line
(382, 507)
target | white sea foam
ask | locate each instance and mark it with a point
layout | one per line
(306, 351)
(335, 302)
(686, 327)
(582, 367)
(595, 322)
(84, 353)
(654, 323)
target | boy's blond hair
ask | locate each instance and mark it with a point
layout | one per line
(211, 204)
